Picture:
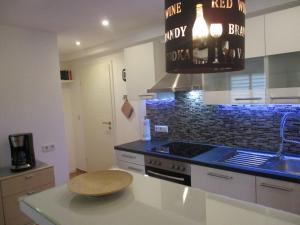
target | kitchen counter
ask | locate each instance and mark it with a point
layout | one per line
(149, 201)
(6, 173)
(210, 159)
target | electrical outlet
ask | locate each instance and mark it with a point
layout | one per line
(161, 129)
(48, 148)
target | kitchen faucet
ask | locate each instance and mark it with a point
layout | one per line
(284, 119)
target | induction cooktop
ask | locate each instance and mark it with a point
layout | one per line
(183, 149)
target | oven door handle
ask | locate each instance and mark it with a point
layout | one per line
(165, 176)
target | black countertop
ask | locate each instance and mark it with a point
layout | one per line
(209, 159)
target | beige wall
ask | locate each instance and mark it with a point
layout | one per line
(124, 130)
(30, 95)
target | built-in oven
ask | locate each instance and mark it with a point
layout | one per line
(170, 170)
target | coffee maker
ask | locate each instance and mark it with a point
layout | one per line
(22, 152)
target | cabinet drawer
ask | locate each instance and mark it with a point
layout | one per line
(278, 194)
(130, 157)
(27, 182)
(12, 212)
(132, 167)
(1, 211)
(235, 185)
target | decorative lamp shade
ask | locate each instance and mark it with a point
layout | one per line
(204, 36)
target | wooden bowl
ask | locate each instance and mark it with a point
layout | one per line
(100, 183)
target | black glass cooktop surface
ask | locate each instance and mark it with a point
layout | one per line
(183, 149)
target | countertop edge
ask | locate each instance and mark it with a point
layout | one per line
(21, 173)
(248, 171)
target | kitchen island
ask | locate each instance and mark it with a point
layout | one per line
(149, 201)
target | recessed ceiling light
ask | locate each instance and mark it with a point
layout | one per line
(78, 43)
(105, 23)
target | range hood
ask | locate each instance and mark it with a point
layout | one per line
(178, 82)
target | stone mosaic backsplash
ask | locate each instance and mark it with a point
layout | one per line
(245, 126)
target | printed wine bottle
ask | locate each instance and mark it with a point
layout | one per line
(200, 36)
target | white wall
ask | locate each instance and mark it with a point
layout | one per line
(30, 95)
(69, 129)
(124, 130)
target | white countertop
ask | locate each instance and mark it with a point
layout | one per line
(149, 201)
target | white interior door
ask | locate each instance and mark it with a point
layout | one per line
(97, 116)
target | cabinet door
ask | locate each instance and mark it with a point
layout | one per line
(140, 69)
(216, 97)
(241, 87)
(284, 96)
(282, 31)
(235, 185)
(278, 194)
(255, 37)
(1, 211)
(29, 180)
(13, 214)
(284, 70)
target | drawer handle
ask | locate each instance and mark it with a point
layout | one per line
(133, 168)
(28, 177)
(276, 187)
(128, 156)
(285, 97)
(248, 99)
(219, 176)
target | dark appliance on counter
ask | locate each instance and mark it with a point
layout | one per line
(22, 152)
(174, 170)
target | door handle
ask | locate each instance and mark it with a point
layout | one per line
(28, 177)
(285, 97)
(271, 186)
(106, 123)
(220, 176)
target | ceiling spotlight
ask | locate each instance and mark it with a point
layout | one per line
(78, 43)
(105, 23)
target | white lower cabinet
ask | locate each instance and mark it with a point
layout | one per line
(235, 185)
(132, 167)
(278, 194)
(131, 161)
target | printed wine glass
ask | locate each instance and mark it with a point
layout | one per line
(225, 50)
(232, 55)
(216, 31)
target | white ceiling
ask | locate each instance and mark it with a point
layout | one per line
(80, 19)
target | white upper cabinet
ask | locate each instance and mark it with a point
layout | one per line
(241, 87)
(255, 37)
(145, 64)
(282, 31)
(284, 78)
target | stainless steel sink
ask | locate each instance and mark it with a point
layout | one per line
(246, 158)
(284, 164)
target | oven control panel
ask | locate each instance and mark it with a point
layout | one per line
(167, 164)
